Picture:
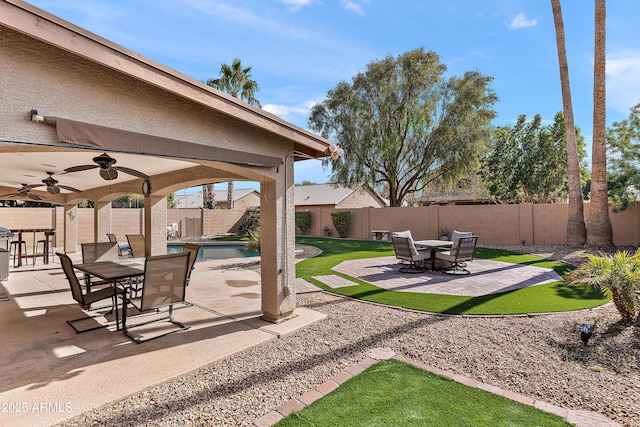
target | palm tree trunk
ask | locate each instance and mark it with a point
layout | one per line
(576, 230)
(230, 195)
(208, 196)
(599, 233)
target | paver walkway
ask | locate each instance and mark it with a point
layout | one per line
(487, 277)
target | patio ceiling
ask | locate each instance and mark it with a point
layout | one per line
(32, 167)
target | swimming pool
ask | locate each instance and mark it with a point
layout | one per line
(210, 250)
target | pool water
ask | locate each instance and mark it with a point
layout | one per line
(216, 250)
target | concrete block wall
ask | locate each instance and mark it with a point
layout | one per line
(495, 224)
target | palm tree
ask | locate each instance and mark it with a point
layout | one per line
(237, 82)
(208, 196)
(616, 277)
(599, 232)
(576, 230)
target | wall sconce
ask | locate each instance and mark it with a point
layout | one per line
(335, 151)
(35, 117)
(71, 215)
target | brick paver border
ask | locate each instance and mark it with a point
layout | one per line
(579, 418)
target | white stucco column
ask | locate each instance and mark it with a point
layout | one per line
(101, 221)
(277, 246)
(155, 225)
(70, 228)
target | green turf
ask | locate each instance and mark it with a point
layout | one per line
(552, 297)
(394, 393)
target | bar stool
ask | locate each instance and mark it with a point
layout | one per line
(48, 237)
(13, 249)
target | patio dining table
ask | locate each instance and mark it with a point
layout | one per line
(433, 245)
(114, 271)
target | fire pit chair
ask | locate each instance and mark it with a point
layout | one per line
(460, 253)
(406, 251)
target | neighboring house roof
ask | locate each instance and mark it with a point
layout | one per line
(194, 201)
(326, 194)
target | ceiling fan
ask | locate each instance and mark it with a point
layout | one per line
(24, 191)
(53, 187)
(107, 169)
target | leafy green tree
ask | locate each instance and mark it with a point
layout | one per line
(171, 201)
(236, 81)
(624, 145)
(528, 162)
(403, 125)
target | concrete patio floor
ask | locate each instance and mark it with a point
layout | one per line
(51, 374)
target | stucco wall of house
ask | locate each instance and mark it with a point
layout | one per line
(57, 83)
(359, 199)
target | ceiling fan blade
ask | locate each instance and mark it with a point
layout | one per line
(131, 172)
(30, 186)
(108, 174)
(34, 196)
(80, 168)
(66, 187)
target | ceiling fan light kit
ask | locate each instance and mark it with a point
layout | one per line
(108, 170)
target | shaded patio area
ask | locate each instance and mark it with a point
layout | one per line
(56, 374)
(487, 277)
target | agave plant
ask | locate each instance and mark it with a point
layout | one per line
(615, 276)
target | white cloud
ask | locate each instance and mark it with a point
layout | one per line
(521, 21)
(291, 113)
(296, 4)
(623, 79)
(353, 6)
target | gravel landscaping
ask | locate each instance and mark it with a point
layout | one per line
(539, 356)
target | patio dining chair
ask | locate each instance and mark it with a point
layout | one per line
(88, 297)
(95, 252)
(460, 253)
(121, 251)
(136, 245)
(406, 251)
(192, 249)
(164, 285)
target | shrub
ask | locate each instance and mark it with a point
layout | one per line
(342, 222)
(254, 241)
(250, 220)
(303, 221)
(616, 277)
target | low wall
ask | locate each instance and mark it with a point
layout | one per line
(533, 224)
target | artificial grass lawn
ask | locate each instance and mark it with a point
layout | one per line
(551, 297)
(394, 393)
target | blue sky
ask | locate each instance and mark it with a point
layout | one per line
(301, 49)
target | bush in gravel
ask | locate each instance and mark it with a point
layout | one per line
(342, 222)
(616, 276)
